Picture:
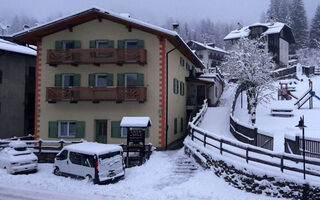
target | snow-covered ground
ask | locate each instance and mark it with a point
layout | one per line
(280, 126)
(160, 178)
(217, 119)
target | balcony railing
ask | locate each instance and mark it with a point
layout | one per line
(96, 94)
(96, 56)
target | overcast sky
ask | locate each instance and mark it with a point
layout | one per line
(155, 11)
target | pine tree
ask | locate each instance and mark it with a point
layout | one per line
(273, 11)
(315, 30)
(283, 14)
(299, 25)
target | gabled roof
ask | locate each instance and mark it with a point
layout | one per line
(139, 122)
(13, 47)
(271, 28)
(206, 46)
(32, 35)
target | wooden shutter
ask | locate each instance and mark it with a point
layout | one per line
(174, 85)
(76, 80)
(121, 44)
(140, 44)
(181, 88)
(147, 132)
(58, 80)
(80, 129)
(140, 79)
(53, 129)
(115, 129)
(77, 44)
(120, 79)
(58, 45)
(109, 79)
(110, 44)
(175, 125)
(92, 44)
(92, 80)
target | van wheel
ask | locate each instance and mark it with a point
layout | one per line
(89, 178)
(57, 172)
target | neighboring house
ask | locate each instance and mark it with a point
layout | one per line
(277, 37)
(208, 84)
(211, 55)
(17, 89)
(95, 67)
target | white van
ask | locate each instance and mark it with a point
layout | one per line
(94, 161)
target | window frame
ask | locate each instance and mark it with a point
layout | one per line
(64, 43)
(100, 41)
(96, 79)
(68, 129)
(127, 41)
(125, 80)
(63, 82)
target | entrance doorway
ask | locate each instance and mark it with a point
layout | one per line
(101, 131)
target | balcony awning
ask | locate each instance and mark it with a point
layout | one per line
(135, 122)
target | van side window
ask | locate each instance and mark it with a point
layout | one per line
(82, 159)
(63, 155)
(109, 155)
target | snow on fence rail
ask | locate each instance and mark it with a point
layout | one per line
(289, 72)
(283, 161)
(246, 133)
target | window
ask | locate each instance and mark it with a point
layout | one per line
(175, 125)
(181, 124)
(131, 80)
(131, 44)
(102, 44)
(109, 155)
(101, 80)
(175, 86)
(63, 155)
(68, 45)
(68, 80)
(181, 88)
(67, 129)
(181, 61)
(82, 159)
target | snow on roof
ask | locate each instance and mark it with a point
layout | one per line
(245, 31)
(209, 47)
(13, 47)
(135, 122)
(93, 148)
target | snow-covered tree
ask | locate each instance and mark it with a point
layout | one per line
(315, 30)
(309, 57)
(273, 11)
(283, 15)
(299, 25)
(251, 66)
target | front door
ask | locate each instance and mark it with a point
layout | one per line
(201, 94)
(101, 131)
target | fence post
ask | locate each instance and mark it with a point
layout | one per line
(204, 140)
(247, 155)
(61, 144)
(281, 164)
(40, 146)
(192, 134)
(255, 132)
(221, 141)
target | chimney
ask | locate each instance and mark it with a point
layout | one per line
(175, 27)
(239, 26)
(271, 21)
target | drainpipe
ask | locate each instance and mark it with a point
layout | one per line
(167, 81)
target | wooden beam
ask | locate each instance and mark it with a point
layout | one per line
(70, 28)
(129, 28)
(100, 18)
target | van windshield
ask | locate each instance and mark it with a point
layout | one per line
(109, 155)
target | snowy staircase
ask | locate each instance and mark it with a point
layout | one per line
(317, 70)
(183, 169)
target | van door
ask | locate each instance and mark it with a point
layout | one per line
(101, 131)
(110, 165)
(81, 164)
(62, 161)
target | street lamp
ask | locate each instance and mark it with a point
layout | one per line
(301, 126)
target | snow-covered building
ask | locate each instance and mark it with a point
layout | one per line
(210, 54)
(277, 37)
(17, 89)
(96, 66)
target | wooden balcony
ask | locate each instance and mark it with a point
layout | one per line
(96, 56)
(96, 94)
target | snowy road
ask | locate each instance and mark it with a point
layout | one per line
(166, 176)
(217, 119)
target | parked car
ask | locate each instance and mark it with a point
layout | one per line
(18, 158)
(97, 162)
